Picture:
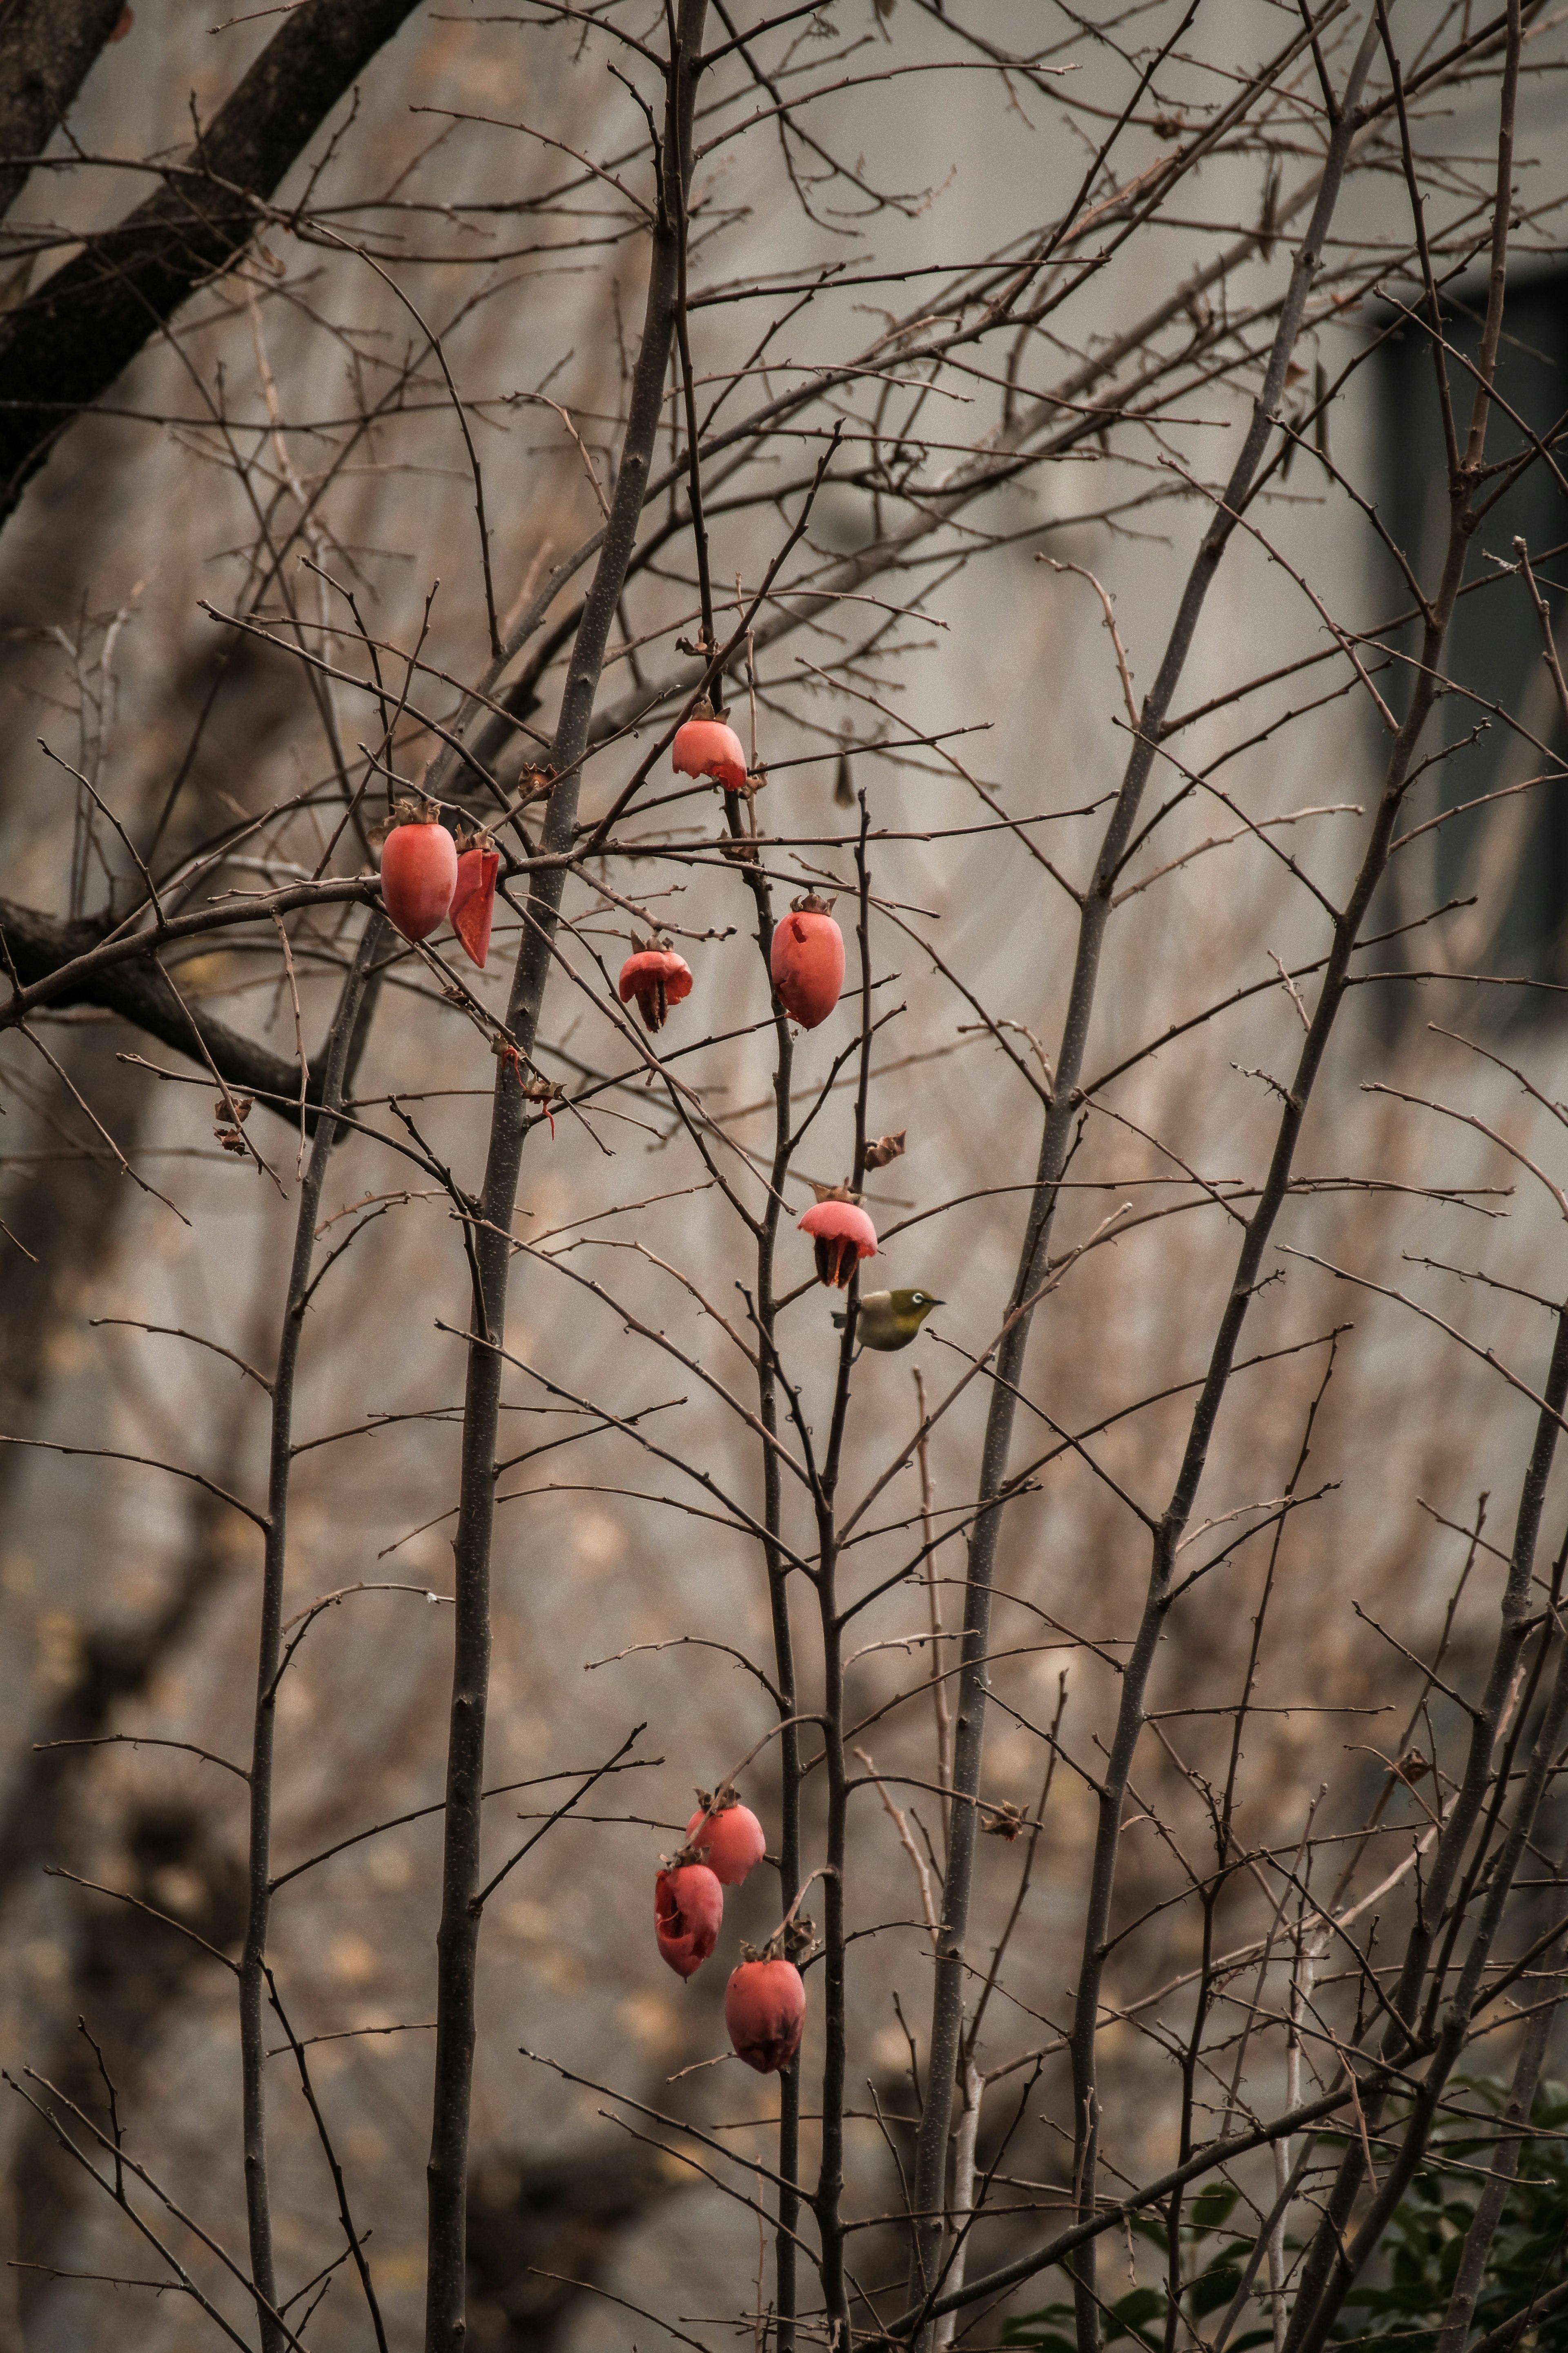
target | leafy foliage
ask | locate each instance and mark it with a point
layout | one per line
(1399, 2308)
(1402, 2309)
(1212, 2266)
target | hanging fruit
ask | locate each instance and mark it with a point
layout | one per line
(688, 1912)
(764, 2010)
(474, 898)
(418, 869)
(727, 1834)
(842, 1233)
(705, 746)
(806, 960)
(656, 977)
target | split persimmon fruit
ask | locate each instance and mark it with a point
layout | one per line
(705, 746)
(656, 977)
(688, 1912)
(843, 1235)
(474, 897)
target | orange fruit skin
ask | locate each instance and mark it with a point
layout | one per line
(706, 748)
(419, 876)
(733, 1842)
(764, 2010)
(688, 1912)
(658, 978)
(806, 960)
(474, 901)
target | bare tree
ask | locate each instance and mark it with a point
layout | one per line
(687, 499)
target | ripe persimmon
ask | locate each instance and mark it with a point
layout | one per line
(704, 747)
(418, 870)
(764, 2010)
(806, 960)
(728, 1835)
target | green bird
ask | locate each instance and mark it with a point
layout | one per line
(890, 1319)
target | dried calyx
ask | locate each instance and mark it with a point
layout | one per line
(536, 1087)
(886, 1148)
(408, 810)
(721, 1800)
(811, 904)
(832, 1192)
(679, 1862)
(228, 1130)
(534, 784)
(795, 1941)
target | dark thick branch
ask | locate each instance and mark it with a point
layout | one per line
(47, 50)
(64, 347)
(38, 946)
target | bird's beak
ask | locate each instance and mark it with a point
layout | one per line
(939, 1302)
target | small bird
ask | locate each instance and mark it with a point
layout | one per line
(890, 1319)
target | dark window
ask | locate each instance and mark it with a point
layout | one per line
(1515, 851)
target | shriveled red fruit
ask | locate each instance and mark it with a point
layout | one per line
(658, 978)
(474, 900)
(844, 1235)
(732, 1838)
(706, 748)
(418, 871)
(688, 1912)
(764, 2010)
(806, 960)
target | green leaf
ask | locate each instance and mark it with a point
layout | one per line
(1039, 2329)
(1214, 2287)
(1130, 2313)
(1211, 2209)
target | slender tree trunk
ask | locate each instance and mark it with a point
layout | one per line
(1515, 2123)
(947, 1999)
(458, 1937)
(253, 1962)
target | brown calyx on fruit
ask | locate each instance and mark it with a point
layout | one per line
(411, 810)
(812, 904)
(721, 1801)
(794, 1941)
(831, 1192)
